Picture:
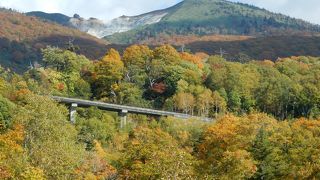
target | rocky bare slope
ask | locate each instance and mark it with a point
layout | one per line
(189, 17)
(100, 28)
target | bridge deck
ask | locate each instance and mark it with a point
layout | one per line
(119, 108)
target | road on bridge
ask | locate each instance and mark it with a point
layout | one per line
(121, 109)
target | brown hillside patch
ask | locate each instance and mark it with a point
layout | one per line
(18, 27)
(179, 40)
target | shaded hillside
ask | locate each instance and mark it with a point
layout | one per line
(16, 26)
(242, 48)
(204, 17)
(19, 55)
(22, 37)
(53, 17)
(262, 48)
(180, 40)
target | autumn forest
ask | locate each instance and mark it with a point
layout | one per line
(264, 117)
(247, 79)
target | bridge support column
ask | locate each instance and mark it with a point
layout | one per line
(72, 112)
(123, 118)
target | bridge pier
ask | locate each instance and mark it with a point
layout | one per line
(72, 112)
(123, 118)
(121, 109)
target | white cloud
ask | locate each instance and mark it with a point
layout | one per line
(108, 9)
(102, 9)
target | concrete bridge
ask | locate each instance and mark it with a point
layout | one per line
(121, 109)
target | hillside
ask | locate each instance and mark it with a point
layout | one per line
(216, 17)
(242, 48)
(206, 26)
(16, 26)
(189, 17)
(22, 37)
(53, 17)
(100, 28)
(260, 48)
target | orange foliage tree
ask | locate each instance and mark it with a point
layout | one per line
(192, 58)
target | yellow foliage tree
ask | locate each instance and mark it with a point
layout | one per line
(185, 102)
(168, 54)
(154, 154)
(95, 166)
(107, 73)
(138, 55)
(225, 149)
(11, 151)
(204, 102)
(13, 159)
(219, 103)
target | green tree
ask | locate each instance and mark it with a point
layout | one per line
(101, 128)
(63, 60)
(218, 103)
(131, 94)
(107, 74)
(6, 110)
(234, 101)
(51, 141)
(288, 151)
(154, 154)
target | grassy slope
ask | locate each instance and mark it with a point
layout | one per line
(204, 10)
(203, 17)
(53, 17)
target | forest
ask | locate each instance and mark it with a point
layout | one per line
(216, 17)
(265, 117)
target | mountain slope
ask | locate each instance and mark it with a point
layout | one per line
(189, 17)
(203, 17)
(53, 17)
(100, 28)
(22, 37)
(16, 26)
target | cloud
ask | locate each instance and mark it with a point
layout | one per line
(107, 9)
(102, 9)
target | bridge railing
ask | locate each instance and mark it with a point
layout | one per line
(124, 108)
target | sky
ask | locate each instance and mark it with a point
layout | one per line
(108, 9)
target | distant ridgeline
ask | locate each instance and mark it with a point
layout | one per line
(244, 32)
(189, 17)
(217, 17)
